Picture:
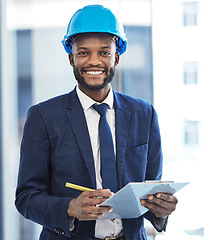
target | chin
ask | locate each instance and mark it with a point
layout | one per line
(94, 87)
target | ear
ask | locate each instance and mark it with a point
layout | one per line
(71, 59)
(117, 58)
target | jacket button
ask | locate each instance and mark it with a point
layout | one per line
(59, 231)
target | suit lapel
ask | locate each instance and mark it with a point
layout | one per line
(122, 116)
(78, 123)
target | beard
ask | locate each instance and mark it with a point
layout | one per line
(80, 79)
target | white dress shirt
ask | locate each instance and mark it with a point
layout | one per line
(108, 227)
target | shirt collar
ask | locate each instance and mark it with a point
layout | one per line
(87, 102)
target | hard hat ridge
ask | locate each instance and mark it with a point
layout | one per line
(95, 18)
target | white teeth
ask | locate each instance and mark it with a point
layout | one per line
(94, 72)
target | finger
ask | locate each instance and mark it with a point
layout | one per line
(87, 215)
(90, 199)
(95, 216)
(97, 201)
(102, 209)
(170, 204)
(91, 212)
(106, 193)
(158, 210)
(167, 197)
(92, 216)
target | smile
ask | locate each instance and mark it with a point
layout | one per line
(94, 72)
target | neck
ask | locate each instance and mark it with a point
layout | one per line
(96, 95)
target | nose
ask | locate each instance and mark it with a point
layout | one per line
(94, 59)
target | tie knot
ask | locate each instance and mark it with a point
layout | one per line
(101, 109)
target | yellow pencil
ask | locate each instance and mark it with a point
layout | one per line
(77, 187)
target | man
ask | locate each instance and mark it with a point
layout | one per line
(62, 142)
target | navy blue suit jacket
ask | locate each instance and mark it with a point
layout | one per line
(56, 149)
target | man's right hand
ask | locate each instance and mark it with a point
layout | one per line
(85, 207)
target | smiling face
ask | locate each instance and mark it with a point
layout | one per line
(93, 59)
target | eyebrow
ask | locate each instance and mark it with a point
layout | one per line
(84, 48)
(109, 47)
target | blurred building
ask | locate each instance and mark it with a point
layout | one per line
(178, 73)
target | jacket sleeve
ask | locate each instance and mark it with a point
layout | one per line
(33, 198)
(154, 167)
(155, 157)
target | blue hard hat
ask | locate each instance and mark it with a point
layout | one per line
(95, 18)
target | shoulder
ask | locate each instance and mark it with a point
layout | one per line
(50, 105)
(56, 103)
(132, 104)
(53, 102)
(53, 107)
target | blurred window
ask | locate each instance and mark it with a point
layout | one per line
(137, 79)
(190, 12)
(191, 134)
(190, 73)
(24, 74)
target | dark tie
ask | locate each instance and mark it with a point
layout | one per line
(108, 162)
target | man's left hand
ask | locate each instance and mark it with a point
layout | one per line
(161, 204)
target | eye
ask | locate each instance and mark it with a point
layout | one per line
(82, 53)
(105, 53)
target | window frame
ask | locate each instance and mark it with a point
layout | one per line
(190, 73)
(190, 13)
(191, 133)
